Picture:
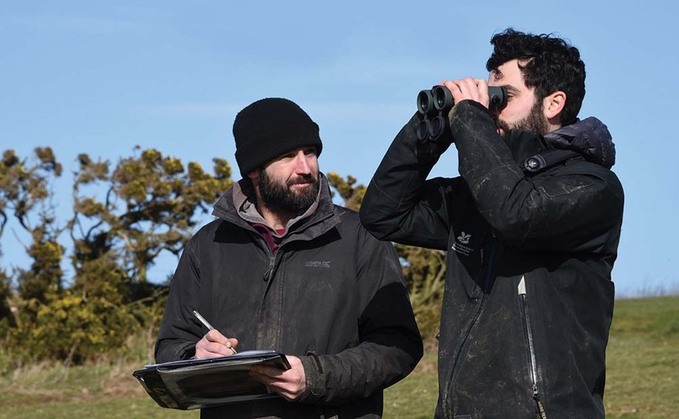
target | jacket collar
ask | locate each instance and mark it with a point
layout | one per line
(588, 137)
(238, 207)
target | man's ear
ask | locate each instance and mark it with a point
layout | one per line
(254, 176)
(553, 105)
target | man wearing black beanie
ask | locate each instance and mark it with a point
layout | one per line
(284, 268)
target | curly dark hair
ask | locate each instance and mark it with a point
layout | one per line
(552, 64)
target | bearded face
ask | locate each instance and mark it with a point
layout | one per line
(535, 121)
(293, 196)
(524, 110)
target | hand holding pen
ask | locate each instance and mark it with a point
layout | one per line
(213, 343)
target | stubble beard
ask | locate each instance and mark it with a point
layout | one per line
(282, 198)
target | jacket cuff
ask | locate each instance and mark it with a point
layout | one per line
(464, 110)
(315, 378)
(188, 351)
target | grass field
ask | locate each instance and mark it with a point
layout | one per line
(642, 382)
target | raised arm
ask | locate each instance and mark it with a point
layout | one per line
(400, 204)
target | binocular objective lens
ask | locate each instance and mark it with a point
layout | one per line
(423, 131)
(437, 126)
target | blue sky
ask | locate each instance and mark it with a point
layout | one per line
(102, 77)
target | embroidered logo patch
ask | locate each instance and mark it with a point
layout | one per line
(460, 246)
(317, 264)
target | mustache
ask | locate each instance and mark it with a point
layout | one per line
(301, 180)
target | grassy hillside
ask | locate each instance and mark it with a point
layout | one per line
(643, 359)
(643, 378)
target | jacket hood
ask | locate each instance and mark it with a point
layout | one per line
(235, 200)
(589, 137)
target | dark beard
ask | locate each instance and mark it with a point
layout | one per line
(535, 121)
(279, 198)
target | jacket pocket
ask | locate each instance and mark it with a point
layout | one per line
(530, 348)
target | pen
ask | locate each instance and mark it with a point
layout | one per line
(208, 325)
(202, 320)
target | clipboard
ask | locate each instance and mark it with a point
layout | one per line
(198, 383)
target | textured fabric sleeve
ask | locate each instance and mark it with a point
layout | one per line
(390, 343)
(179, 331)
(400, 204)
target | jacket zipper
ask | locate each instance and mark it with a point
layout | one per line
(528, 336)
(269, 270)
(268, 275)
(491, 254)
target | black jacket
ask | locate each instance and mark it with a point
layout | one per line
(332, 295)
(528, 298)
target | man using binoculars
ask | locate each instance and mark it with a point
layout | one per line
(531, 229)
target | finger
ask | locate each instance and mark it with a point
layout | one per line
(290, 384)
(453, 88)
(211, 350)
(482, 86)
(469, 88)
(274, 386)
(219, 348)
(460, 89)
(231, 343)
(289, 390)
(216, 336)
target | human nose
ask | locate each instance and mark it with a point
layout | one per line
(301, 163)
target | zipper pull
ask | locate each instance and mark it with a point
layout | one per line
(522, 286)
(269, 270)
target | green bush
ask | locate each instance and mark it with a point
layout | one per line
(75, 328)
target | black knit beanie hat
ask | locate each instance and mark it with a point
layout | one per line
(269, 128)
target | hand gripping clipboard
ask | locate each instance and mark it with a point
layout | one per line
(199, 383)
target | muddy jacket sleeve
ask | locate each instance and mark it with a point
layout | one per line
(400, 204)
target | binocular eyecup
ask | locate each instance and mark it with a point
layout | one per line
(433, 103)
(439, 99)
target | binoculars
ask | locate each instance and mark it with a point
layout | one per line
(435, 103)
